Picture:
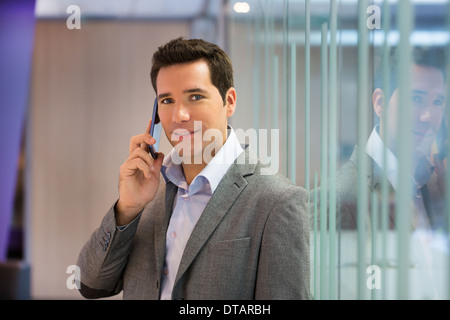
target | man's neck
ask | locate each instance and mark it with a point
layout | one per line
(389, 142)
(192, 170)
(375, 149)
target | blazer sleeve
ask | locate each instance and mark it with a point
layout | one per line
(103, 258)
(284, 264)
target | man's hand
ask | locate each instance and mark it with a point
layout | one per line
(440, 169)
(138, 179)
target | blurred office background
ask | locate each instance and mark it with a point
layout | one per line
(72, 98)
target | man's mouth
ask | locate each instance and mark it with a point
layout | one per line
(182, 134)
(423, 134)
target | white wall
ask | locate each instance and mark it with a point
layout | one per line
(91, 92)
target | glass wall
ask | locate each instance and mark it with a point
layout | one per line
(356, 91)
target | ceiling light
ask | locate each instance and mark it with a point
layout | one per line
(241, 7)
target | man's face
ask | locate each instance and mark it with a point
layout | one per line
(427, 105)
(186, 94)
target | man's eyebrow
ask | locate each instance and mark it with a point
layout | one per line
(419, 91)
(440, 96)
(195, 90)
(163, 95)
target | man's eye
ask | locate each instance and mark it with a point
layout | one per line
(416, 99)
(438, 102)
(196, 97)
(167, 101)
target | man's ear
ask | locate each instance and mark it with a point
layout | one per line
(377, 101)
(230, 101)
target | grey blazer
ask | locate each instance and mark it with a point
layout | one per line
(347, 192)
(251, 242)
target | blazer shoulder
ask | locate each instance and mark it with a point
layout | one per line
(261, 178)
(276, 183)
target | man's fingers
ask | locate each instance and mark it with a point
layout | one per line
(144, 146)
(142, 154)
(138, 164)
(439, 164)
(141, 141)
(143, 162)
(157, 163)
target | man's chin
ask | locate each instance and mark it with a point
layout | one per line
(183, 157)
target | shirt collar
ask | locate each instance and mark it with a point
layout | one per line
(212, 173)
(374, 149)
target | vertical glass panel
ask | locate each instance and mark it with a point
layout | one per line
(358, 90)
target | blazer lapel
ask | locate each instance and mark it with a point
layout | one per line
(228, 190)
(161, 224)
(375, 174)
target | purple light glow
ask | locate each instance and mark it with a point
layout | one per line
(17, 23)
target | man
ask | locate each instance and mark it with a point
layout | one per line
(425, 247)
(210, 229)
(428, 105)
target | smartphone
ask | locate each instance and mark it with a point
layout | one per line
(155, 130)
(441, 140)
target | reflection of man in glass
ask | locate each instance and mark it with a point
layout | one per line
(428, 105)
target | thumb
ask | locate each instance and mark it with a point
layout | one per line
(438, 163)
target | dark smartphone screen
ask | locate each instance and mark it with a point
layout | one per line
(441, 140)
(155, 129)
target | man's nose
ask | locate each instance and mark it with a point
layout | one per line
(425, 115)
(180, 113)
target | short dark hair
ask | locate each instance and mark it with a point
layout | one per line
(182, 50)
(432, 56)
